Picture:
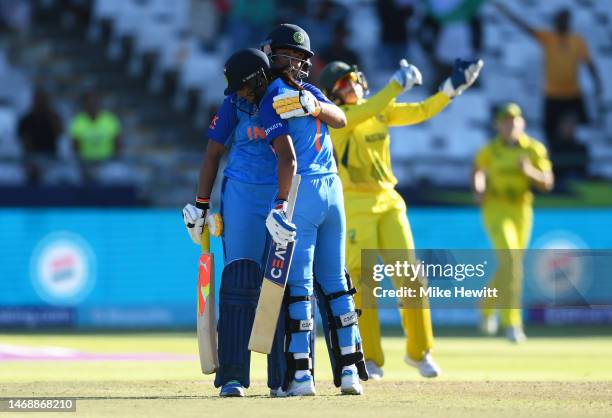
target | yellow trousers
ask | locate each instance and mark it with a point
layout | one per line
(509, 228)
(379, 221)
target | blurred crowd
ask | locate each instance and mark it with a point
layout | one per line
(94, 133)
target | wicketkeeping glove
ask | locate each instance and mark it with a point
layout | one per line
(281, 230)
(296, 103)
(463, 76)
(407, 76)
(194, 219)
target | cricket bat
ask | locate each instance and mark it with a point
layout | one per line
(273, 285)
(207, 311)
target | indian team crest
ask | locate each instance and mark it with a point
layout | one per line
(298, 37)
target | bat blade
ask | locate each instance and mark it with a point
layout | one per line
(271, 297)
(206, 309)
(273, 286)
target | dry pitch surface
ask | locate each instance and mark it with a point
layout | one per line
(548, 376)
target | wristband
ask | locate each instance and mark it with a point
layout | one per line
(202, 203)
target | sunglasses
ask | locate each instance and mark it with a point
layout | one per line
(346, 81)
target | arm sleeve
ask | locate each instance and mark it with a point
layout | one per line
(316, 93)
(539, 157)
(400, 114)
(355, 114)
(273, 125)
(116, 126)
(223, 123)
(481, 162)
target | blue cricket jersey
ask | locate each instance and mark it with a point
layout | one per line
(311, 140)
(251, 158)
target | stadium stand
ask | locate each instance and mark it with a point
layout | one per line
(163, 81)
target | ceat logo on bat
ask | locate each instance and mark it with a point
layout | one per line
(62, 269)
(279, 258)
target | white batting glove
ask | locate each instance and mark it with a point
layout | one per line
(194, 219)
(463, 76)
(296, 103)
(407, 76)
(279, 227)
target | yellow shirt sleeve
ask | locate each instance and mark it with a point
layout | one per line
(483, 158)
(355, 114)
(543, 37)
(539, 156)
(401, 114)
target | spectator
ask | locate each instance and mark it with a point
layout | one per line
(95, 133)
(564, 51)
(40, 128)
(392, 16)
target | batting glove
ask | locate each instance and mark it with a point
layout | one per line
(463, 76)
(279, 227)
(194, 219)
(296, 103)
(407, 76)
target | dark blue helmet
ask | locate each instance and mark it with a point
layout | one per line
(290, 36)
(293, 37)
(248, 66)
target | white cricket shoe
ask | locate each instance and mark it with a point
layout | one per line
(426, 367)
(350, 384)
(303, 386)
(375, 372)
(516, 335)
(489, 325)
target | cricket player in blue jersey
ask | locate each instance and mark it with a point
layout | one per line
(249, 188)
(302, 144)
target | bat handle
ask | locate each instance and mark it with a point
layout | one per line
(205, 239)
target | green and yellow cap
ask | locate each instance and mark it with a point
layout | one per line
(509, 110)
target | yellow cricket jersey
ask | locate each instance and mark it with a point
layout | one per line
(362, 146)
(501, 163)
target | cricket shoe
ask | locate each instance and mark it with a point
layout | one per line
(488, 325)
(516, 335)
(304, 386)
(426, 367)
(349, 383)
(374, 371)
(232, 389)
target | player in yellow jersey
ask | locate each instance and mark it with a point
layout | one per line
(505, 170)
(375, 212)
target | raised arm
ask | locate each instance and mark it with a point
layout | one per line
(515, 19)
(401, 114)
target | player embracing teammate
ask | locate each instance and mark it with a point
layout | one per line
(279, 128)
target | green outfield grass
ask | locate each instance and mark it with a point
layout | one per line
(577, 194)
(548, 376)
